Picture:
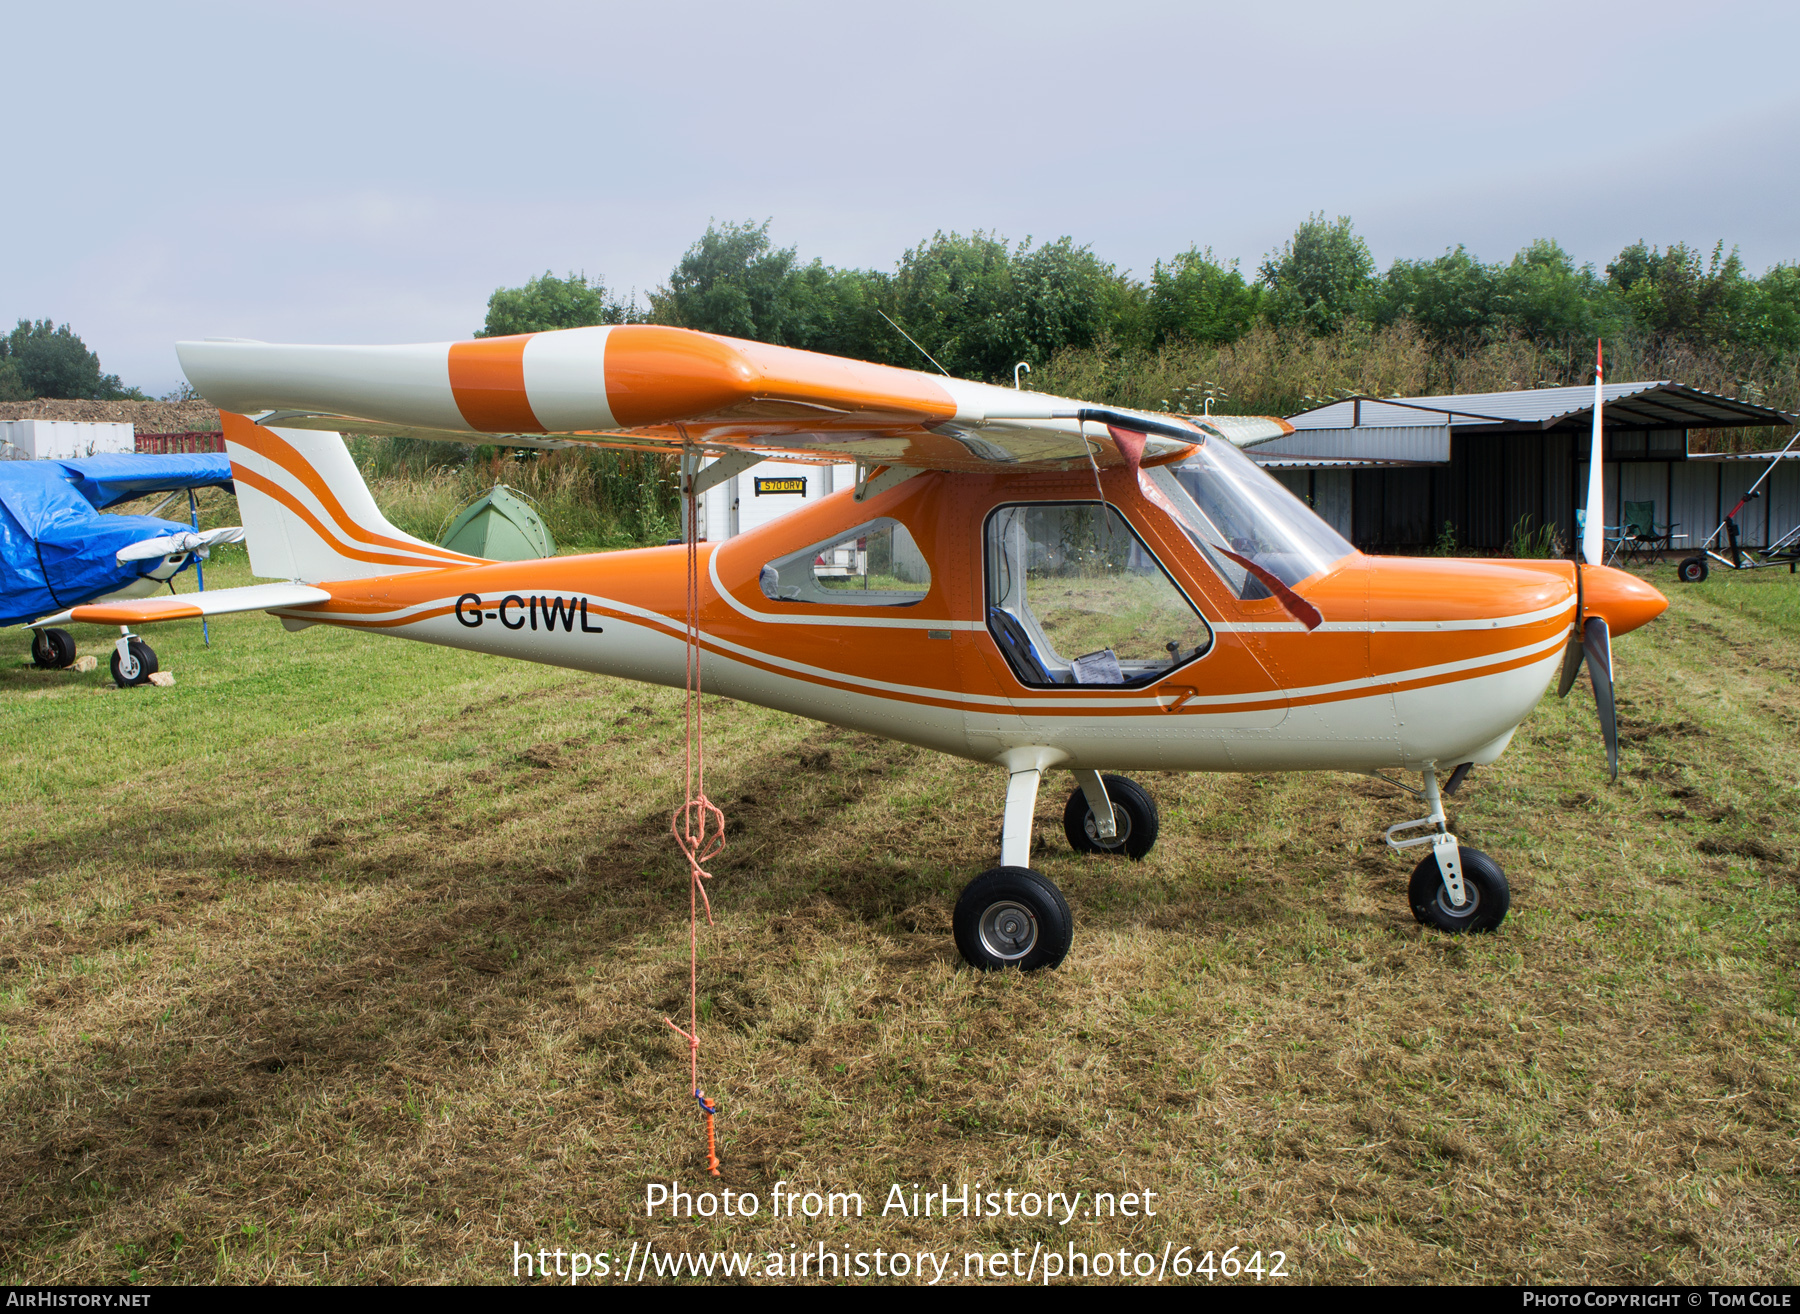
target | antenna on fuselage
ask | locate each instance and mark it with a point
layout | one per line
(909, 337)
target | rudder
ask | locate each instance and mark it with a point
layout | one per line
(307, 513)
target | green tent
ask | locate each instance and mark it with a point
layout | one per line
(500, 525)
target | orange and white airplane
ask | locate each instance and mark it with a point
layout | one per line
(1016, 578)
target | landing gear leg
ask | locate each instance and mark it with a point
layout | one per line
(1455, 889)
(1012, 916)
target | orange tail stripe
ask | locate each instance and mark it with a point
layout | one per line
(281, 495)
(487, 377)
(267, 445)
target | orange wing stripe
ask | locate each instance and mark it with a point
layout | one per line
(126, 614)
(487, 377)
(657, 375)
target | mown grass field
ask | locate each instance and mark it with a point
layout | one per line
(347, 959)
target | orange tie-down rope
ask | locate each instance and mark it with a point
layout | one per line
(698, 825)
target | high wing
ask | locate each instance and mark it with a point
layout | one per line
(647, 386)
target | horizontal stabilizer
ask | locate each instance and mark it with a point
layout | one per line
(189, 606)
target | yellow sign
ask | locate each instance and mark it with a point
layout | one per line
(792, 484)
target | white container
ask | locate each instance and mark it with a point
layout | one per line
(766, 492)
(47, 440)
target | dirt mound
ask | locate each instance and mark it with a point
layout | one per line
(145, 416)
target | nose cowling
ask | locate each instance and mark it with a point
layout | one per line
(1624, 601)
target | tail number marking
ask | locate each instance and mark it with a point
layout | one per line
(552, 610)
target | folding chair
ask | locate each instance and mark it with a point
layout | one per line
(1612, 540)
(1643, 542)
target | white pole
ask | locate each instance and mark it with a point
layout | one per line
(1593, 529)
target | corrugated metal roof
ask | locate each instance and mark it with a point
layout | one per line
(1329, 463)
(1656, 404)
(1414, 444)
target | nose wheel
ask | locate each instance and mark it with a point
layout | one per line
(1455, 889)
(133, 662)
(1486, 896)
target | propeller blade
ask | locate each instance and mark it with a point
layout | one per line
(1593, 529)
(1571, 667)
(1597, 643)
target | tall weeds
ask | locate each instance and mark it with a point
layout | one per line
(591, 500)
(1270, 371)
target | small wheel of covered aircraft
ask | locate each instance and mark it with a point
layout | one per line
(1012, 917)
(1692, 570)
(1134, 815)
(138, 665)
(52, 650)
(1485, 893)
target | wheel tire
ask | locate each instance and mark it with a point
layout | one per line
(1133, 810)
(1484, 888)
(52, 650)
(1692, 570)
(1012, 917)
(145, 657)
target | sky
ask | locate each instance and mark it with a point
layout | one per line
(371, 170)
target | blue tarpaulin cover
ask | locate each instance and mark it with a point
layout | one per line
(57, 549)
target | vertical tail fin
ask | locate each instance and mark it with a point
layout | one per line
(308, 514)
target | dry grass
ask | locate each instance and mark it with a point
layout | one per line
(347, 960)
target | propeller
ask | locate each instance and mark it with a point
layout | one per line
(169, 545)
(1592, 640)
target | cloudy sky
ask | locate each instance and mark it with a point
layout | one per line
(370, 170)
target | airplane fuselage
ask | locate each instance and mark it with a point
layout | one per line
(1417, 661)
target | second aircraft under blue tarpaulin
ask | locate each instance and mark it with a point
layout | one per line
(60, 549)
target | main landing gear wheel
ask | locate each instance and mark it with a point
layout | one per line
(1012, 917)
(137, 668)
(1485, 895)
(1692, 570)
(52, 650)
(1134, 815)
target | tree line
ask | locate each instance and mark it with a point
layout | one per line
(1314, 320)
(978, 304)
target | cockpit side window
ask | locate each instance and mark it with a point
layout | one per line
(877, 564)
(1074, 597)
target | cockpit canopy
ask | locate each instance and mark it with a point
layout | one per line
(1223, 499)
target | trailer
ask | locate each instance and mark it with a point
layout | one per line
(1724, 547)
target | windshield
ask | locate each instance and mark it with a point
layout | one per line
(1224, 499)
